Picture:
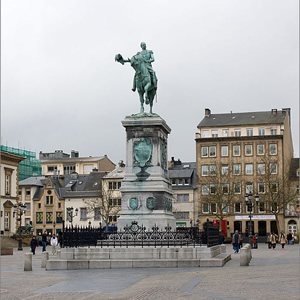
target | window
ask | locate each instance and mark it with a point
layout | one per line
(114, 185)
(7, 184)
(249, 131)
(39, 205)
(97, 213)
(260, 149)
(274, 207)
(261, 131)
(27, 206)
(262, 206)
(249, 169)
(183, 198)
(83, 214)
(204, 151)
(212, 151)
(274, 187)
(49, 217)
(249, 188)
(237, 132)
(224, 170)
(225, 207)
(274, 131)
(173, 181)
(185, 181)
(214, 133)
(212, 188)
(39, 218)
(273, 168)
(224, 150)
(204, 170)
(52, 168)
(213, 207)
(205, 189)
(212, 170)
(261, 188)
(225, 188)
(261, 169)
(225, 132)
(236, 169)
(248, 150)
(273, 149)
(112, 219)
(27, 192)
(236, 150)
(6, 221)
(237, 188)
(205, 207)
(20, 192)
(182, 215)
(204, 133)
(69, 169)
(49, 200)
(59, 217)
(59, 205)
(237, 207)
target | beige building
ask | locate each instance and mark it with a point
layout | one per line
(240, 154)
(9, 192)
(60, 163)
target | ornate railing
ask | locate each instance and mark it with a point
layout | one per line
(134, 236)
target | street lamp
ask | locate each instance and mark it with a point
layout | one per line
(70, 213)
(20, 209)
(250, 205)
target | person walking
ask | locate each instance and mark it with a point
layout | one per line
(33, 244)
(54, 243)
(44, 241)
(254, 241)
(273, 239)
(289, 238)
(269, 241)
(241, 240)
(236, 241)
(282, 239)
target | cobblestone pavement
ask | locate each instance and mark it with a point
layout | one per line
(272, 274)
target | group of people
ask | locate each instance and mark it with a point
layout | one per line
(282, 239)
(53, 243)
(272, 240)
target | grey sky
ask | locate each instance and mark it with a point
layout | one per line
(61, 88)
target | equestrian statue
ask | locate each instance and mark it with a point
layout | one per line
(145, 80)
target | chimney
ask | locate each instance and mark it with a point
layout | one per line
(121, 164)
(207, 112)
(274, 111)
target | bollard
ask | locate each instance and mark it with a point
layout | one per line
(28, 262)
(245, 255)
(45, 257)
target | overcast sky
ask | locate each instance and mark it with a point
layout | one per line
(62, 89)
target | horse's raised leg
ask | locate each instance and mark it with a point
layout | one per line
(142, 102)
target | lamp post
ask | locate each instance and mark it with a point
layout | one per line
(70, 214)
(250, 205)
(20, 209)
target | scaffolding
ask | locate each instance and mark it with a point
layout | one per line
(30, 166)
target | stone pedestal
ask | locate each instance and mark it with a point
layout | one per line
(146, 189)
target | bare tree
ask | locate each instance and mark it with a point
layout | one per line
(275, 188)
(218, 190)
(105, 205)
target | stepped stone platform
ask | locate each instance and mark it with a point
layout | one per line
(137, 257)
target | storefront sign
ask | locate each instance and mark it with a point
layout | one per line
(256, 217)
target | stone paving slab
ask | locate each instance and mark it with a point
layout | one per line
(272, 274)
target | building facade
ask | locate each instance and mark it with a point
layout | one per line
(60, 163)
(9, 193)
(239, 155)
(183, 177)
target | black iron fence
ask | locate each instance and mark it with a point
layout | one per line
(135, 235)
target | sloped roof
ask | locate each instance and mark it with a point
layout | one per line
(246, 118)
(117, 173)
(33, 181)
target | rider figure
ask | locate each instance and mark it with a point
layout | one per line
(148, 59)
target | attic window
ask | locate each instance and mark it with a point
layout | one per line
(253, 117)
(49, 192)
(80, 182)
(96, 183)
(233, 117)
(186, 166)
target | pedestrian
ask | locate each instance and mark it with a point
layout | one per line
(33, 244)
(254, 239)
(289, 238)
(269, 241)
(241, 240)
(282, 239)
(54, 243)
(236, 241)
(273, 239)
(221, 238)
(44, 241)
